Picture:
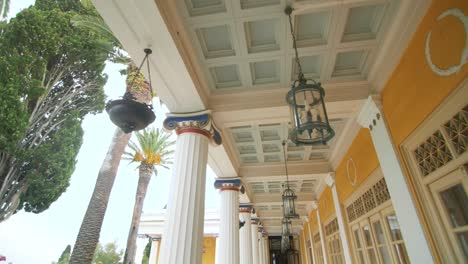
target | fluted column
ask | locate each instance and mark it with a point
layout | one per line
(261, 255)
(183, 230)
(254, 234)
(330, 180)
(322, 235)
(153, 258)
(245, 243)
(228, 221)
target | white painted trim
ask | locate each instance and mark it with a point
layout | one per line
(417, 245)
(341, 225)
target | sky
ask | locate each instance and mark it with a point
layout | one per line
(27, 238)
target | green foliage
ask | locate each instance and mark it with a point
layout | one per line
(51, 76)
(50, 167)
(65, 257)
(108, 254)
(146, 252)
(153, 149)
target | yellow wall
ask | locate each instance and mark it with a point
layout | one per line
(414, 90)
(209, 246)
(365, 160)
(325, 204)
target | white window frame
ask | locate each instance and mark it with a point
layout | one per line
(442, 238)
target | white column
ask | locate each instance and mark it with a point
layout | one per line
(311, 243)
(261, 256)
(412, 230)
(254, 236)
(228, 221)
(305, 247)
(245, 243)
(322, 235)
(183, 229)
(154, 251)
(330, 180)
(141, 242)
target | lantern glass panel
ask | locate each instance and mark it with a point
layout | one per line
(289, 208)
(307, 107)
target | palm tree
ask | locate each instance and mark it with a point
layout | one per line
(88, 235)
(151, 151)
(4, 8)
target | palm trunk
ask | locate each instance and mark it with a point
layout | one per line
(88, 236)
(143, 182)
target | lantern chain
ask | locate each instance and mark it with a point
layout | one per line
(288, 11)
(147, 53)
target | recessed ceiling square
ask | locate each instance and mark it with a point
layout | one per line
(312, 29)
(205, 7)
(264, 72)
(350, 63)
(272, 158)
(242, 136)
(269, 148)
(311, 66)
(269, 135)
(247, 149)
(262, 35)
(363, 22)
(216, 41)
(295, 156)
(249, 159)
(226, 76)
(246, 4)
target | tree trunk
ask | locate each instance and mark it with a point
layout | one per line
(143, 182)
(88, 236)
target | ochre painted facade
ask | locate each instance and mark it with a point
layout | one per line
(413, 91)
(209, 250)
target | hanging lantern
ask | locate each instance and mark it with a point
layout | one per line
(289, 208)
(129, 114)
(307, 106)
(285, 236)
(288, 197)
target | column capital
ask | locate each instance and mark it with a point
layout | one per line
(229, 184)
(305, 219)
(254, 221)
(370, 112)
(314, 204)
(245, 208)
(196, 122)
(330, 179)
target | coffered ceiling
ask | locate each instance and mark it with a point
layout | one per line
(235, 57)
(247, 44)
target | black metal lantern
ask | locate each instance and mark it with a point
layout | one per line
(288, 197)
(306, 102)
(129, 114)
(285, 235)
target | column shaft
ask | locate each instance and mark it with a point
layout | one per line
(311, 244)
(412, 231)
(322, 238)
(245, 239)
(305, 247)
(254, 234)
(153, 258)
(341, 225)
(183, 232)
(229, 221)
